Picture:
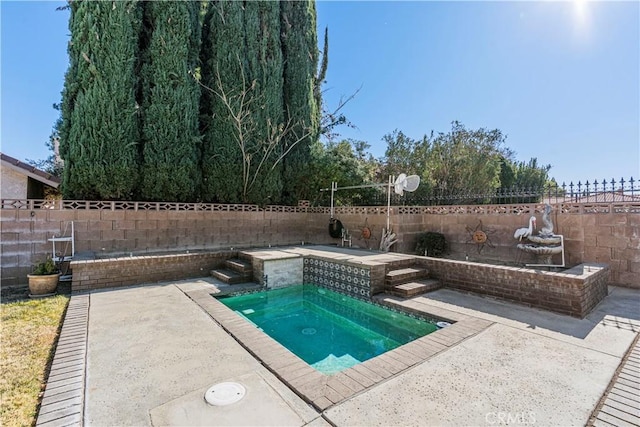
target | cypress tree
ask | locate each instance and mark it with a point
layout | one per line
(264, 70)
(222, 61)
(302, 112)
(71, 87)
(170, 100)
(100, 131)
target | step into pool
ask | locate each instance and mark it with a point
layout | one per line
(328, 330)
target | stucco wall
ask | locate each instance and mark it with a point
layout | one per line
(13, 184)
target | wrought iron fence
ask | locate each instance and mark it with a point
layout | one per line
(596, 191)
(622, 191)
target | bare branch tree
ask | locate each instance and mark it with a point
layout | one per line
(257, 151)
(331, 119)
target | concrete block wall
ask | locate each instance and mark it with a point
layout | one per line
(602, 233)
(593, 233)
(105, 232)
(23, 237)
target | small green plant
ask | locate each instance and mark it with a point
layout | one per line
(431, 244)
(45, 267)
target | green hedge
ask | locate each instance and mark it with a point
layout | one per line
(431, 244)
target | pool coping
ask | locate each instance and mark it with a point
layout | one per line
(323, 391)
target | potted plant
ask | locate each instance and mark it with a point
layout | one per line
(44, 278)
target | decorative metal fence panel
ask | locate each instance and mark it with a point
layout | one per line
(596, 196)
(622, 191)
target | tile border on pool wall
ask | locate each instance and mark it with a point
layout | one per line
(343, 277)
(323, 391)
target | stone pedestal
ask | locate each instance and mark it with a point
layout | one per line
(543, 247)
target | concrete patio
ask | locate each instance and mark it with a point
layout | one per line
(145, 355)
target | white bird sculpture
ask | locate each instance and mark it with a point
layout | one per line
(525, 232)
(547, 230)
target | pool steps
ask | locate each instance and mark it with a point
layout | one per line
(402, 279)
(234, 271)
(403, 275)
(411, 289)
(409, 281)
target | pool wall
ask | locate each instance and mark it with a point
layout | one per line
(346, 278)
(281, 273)
(356, 279)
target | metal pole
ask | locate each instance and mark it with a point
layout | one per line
(334, 186)
(388, 203)
(354, 186)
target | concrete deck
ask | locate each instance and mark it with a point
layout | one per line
(150, 353)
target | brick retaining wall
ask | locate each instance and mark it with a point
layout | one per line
(128, 271)
(574, 291)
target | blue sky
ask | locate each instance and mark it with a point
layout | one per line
(560, 79)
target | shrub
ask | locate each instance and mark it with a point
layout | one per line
(45, 268)
(431, 244)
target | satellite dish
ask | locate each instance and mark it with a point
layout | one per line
(406, 183)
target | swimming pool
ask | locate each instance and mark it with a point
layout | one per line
(328, 330)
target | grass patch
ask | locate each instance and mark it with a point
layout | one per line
(29, 331)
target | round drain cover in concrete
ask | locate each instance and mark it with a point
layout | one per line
(224, 394)
(309, 331)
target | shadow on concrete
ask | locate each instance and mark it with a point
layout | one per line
(619, 310)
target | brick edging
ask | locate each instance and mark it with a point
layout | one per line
(620, 387)
(63, 400)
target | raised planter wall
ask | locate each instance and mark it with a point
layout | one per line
(128, 271)
(575, 291)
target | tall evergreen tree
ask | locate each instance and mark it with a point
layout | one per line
(302, 112)
(100, 131)
(264, 71)
(222, 61)
(170, 101)
(242, 104)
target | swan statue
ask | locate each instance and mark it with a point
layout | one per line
(547, 230)
(524, 231)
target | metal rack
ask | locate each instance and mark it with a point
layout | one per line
(60, 255)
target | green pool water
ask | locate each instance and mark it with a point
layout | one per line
(328, 330)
